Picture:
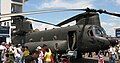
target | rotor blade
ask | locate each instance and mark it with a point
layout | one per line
(79, 16)
(39, 12)
(41, 21)
(69, 20)
(5, 20)
(58, 10)
(102, 11)
(114, 14)
(109, 13)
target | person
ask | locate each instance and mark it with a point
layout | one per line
(41, 55)
(3, 51)
(112, 54)
(100, 57)
(56, 53)
(25, 53)
(18, 54)
(119, 51)
(90, 54)
(48, 56)
(33, 57)
(44, 47)
(22, 51)
(105, 52)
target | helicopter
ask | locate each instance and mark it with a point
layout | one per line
(87, 35)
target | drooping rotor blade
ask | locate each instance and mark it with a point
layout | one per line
(69, 20)
(41, 21)
(57, 10)
(39, 12)
(79, 16)
(30, 19)
(5, 20)
(109, 13)
(102, 11)
(114, 14)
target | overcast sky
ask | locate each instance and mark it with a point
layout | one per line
(109, 23)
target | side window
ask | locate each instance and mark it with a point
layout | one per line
(55, 38)
(8, 24)
(30, 40)
(31, 26)
(41, 39)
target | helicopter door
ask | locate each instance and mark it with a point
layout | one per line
(72, 40)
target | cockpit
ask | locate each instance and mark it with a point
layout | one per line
(99, 31)
(96, 31)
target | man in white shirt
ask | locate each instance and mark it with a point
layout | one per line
(3, 49)
(18, 54)
(112, 54)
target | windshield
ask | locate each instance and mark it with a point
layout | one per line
(100, 31)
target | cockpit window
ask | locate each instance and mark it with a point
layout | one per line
(99, 31)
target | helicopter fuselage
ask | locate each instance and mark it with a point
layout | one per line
(69, 38)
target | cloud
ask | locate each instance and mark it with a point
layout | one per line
(65, 4)
(41, 26)
(118, 2)
(69, 24)
(108, 28)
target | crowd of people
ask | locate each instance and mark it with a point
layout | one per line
(22, 54)
(10, 53)
(113, 54)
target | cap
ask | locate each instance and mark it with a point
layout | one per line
(38, 47)
(19, 44)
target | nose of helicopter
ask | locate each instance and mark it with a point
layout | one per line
(113, 41)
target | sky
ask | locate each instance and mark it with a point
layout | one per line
(108, 22)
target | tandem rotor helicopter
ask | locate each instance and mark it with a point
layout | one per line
(86, 36)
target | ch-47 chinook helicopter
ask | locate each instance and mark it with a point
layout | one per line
(86, 36)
